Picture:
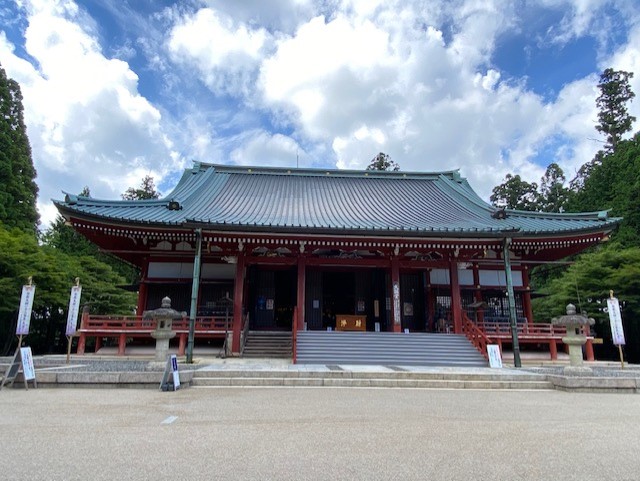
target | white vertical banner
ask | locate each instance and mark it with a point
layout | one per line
(615, 319)
(396, 303)
(26, 305)
(74, 308)
(27, 363)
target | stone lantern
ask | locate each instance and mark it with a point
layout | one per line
(575, 338)
(164, 317)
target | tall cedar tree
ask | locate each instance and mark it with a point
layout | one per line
(17, 174)
(613, 117)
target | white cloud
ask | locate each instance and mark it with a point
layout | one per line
(223, 53)
(86, 121)
(265, 149)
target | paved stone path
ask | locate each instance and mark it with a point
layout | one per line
(309, 434)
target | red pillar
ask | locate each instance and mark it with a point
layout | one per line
(526, 296)
(182, 344)
(238, 302)
(142, 291)
(478, 292)
(98, 344)
(395, 295)
(82, 343)
(122, 342)
(456, 299)
(302, 264)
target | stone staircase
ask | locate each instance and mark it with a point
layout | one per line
(346, 378)
(268, 344)
(387, 348)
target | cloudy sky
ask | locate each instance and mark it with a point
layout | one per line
(118, 89)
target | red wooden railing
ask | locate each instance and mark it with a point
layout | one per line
(532, 333)
(123, 327)
(475, 335)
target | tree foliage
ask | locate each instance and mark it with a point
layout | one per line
(53, 273)
(614, 184)
(17, 174)
(586, 284)
(613, 117)
(383, 161)
(515, 193)
(553, 195)
(147, 190)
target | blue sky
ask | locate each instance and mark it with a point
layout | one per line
(115, 90)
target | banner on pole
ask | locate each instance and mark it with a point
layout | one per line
(26, 305)
(74, 308)
(615, 319)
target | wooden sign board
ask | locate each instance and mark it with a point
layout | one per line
(348, 322)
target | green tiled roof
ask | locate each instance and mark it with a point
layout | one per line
(330, 201)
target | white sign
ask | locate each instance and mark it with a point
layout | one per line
(174, 372)
(495, 359)
(74, 307)
(396, 302)
(26, 304)
(615, 318)
(27, 363)
(377, 326)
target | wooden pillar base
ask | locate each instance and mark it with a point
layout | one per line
(553, 349)
(183, 344)
(122, 342)
(98, 343)
(82, 344)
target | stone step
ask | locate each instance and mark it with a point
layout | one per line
(338, 373)
(370, 382)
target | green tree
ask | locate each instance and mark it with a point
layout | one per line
(586, 284)
(17, 174)
(382, 161)
(553, 195)
(613, 117)
(515, 193)
(147, 190)
(53, 273)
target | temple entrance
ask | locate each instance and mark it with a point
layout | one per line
(338, 296)
(272, 298)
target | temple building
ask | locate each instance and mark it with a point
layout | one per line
(332, 249)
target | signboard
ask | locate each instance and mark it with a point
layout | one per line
(170, 369)
(495, 359)
(615, 318)
(24, 316)
(28, 370)
(74, 307)
(174, 371)
(396, 303)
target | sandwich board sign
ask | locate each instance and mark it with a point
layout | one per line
(495, 359)
(22, 361)
(171, 370)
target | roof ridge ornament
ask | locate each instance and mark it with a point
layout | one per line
(499, 214)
